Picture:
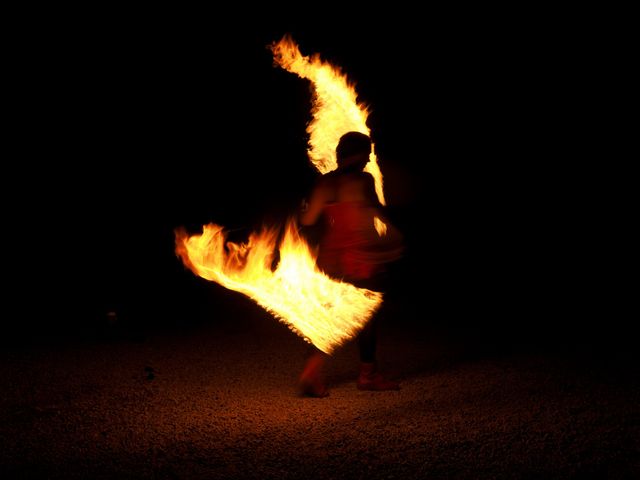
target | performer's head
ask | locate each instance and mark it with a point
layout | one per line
(353, 151)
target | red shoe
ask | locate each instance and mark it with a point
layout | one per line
(370, 379)
(312, 379)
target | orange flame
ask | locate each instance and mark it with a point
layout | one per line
(323, 311)
(335, 110)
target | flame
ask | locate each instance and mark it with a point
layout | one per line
(335, 110)
(323, 311)
(380, 226)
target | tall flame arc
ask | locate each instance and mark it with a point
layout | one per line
(322, 310)
(335, 109)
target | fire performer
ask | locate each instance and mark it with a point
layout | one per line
(343, 209)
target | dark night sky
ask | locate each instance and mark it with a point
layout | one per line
(148, 127)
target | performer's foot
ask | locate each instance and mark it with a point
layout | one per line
(313, 388)
(370, 379)
(311, 379)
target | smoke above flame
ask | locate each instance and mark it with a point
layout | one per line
(322, 310)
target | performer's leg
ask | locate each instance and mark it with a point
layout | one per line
(368, 341)
(312, 382)
(369, 377)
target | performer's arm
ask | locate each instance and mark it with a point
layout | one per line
(315, 205)
(370, 190)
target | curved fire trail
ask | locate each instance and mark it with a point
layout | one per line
(321, 310)
(334, 110)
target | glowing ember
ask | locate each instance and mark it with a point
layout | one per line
(335, 110)
(321, 310)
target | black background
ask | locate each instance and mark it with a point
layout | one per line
(133, 127)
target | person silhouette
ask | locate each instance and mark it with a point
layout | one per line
(341, 213)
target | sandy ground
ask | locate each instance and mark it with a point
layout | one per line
(219, 400)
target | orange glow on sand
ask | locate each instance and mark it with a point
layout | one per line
(323, 311)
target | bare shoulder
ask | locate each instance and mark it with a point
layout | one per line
(367, 177)
(327, 184)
